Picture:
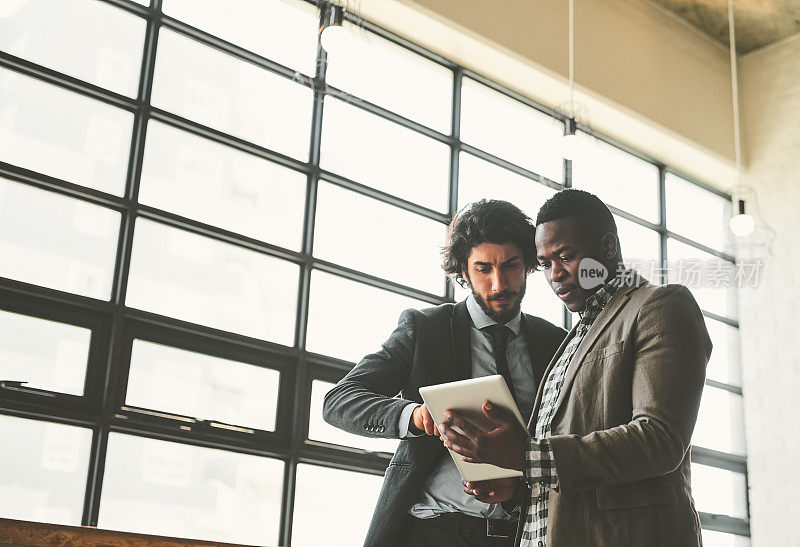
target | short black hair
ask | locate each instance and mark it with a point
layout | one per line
(487, 221)
(587, 209)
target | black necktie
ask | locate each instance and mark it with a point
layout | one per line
(498, 334)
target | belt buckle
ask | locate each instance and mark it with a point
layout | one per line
(489, 530)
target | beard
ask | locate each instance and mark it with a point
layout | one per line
(501, 316)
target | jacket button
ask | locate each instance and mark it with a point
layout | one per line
(381, 428)
(541, 544)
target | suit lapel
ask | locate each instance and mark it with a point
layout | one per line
(610, 311)
(461, 343)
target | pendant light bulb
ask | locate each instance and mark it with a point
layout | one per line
(742, 224)
(569, 142)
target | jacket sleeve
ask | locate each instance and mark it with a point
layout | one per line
(364, 402)
(671, 349)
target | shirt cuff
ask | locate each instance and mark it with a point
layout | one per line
(540, 468)
(405, 418)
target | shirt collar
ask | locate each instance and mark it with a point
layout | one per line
(481, 320)
(596, 302)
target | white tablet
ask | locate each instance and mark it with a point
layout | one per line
(466, 397)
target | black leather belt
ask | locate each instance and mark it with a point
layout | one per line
(490, 527)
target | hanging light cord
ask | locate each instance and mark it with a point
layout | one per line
(737, 139)
(571, 59)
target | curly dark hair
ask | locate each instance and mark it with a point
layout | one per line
(587, 209)
(486, 221)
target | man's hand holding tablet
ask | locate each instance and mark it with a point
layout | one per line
(471, 447)
(422, 422)
(503, 446)
(486, 441)
(493, 490)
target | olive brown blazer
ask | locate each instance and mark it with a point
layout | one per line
(623, 424)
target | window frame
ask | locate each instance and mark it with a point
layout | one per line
(114, 326)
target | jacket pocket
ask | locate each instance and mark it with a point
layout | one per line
(604, 352)
(657, 490)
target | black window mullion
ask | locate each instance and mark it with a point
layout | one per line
(221, 137)
(69, 83)
(112, 394)
(567, 315)
(455, 152)
(301, 400)
(62, 187)
(568, 173)
(514, 168)
(662, 222)
(724, 524)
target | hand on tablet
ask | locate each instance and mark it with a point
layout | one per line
(491, 491)
(503, 446)
(423, 420)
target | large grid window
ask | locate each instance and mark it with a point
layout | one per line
(205, 221)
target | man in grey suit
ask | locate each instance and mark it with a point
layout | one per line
(606, 455)
(490, 248)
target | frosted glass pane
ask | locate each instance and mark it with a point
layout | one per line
(377, 238)
(218, 185)
(62, 134)
(479, 179)
(719, 491)
(44, 478)
(337, 322)
(202, 386)
(320, 517)
(320, 430)
(215, 89)
(720, 421)
(616, 177)
(57, 242)
(45, 354)
(640, 248)
(178, 490)
(284, 31)
(101, 44)
(541, 301)
(511, 130)
(724, 365)
(712, 280)
(696, 213)
(378, 153)
(719, 539)
(197, 279)
(376, 70)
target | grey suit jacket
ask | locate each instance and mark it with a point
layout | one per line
(624, 421)
(429, 346)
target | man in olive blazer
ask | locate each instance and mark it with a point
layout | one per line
(613, 467)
